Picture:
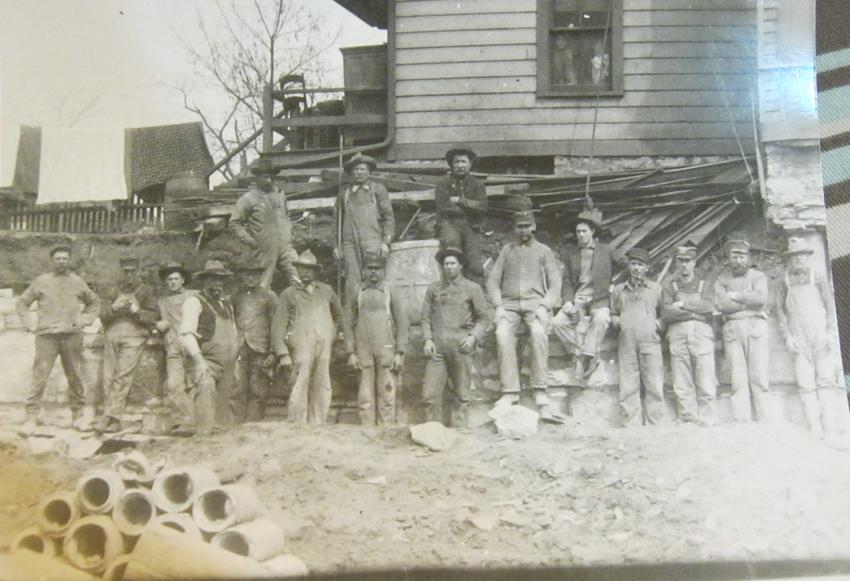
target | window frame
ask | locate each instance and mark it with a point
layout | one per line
(545, 87)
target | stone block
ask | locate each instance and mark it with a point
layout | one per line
(515, 421)
(433, 435)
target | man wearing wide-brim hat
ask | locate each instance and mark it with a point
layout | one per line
(210, 341)
(635, 306)
(175, 277)
(303, 330)
(524, 286)
(255, 307)
(807, 321)
(741, 296)
(461, 203)
(687, 309)
(375, 326)
(260, 221)
(588, 268)
(455, 316)
(129, 313)
(366, 219)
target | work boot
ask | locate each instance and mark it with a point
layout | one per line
(541, 398)
(30, 424)
(506, 400)
(107, 425)
(82, 421)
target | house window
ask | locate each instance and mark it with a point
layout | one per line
(579, 48)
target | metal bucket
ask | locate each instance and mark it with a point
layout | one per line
(411, 267)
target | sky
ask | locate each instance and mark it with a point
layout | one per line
(108, 63)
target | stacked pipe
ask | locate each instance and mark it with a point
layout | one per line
(138, 521)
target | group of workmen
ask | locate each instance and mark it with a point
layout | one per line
(218, 332)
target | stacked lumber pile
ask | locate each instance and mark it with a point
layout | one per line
(138, 521)
(657, 209)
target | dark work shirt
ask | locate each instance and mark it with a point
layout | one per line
(458, 304)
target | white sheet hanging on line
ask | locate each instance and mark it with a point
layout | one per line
(81, 165)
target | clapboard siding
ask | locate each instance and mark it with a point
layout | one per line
(466, 70)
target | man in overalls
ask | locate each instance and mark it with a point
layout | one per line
(375, 325)
(807, 321)
(255, 307)
(524, 286)
(367, 221)
(455, 316)
(170, 306)
(303, 332)
(460, 222)
(583, 319)
(635, 305)
(210, 341)
(687, 307)
(261, 222)
(129, 313)
(740, 294)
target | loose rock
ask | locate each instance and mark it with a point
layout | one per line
(516, 421)
(433, 435)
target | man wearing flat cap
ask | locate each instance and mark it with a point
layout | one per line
(260, 220)
(254, 307)
(740, 294)
(375, 326)
(210, 342)
(461, 202)
(58, 332)
(366, 219)
(455, 316)
(635, 305)
(170, 304)
(303, 331)
(583, 319)
(687, 311)
(129, 314)
(524, 286)
(807, 321)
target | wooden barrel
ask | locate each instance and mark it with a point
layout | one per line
(180, 190)
(411, 267)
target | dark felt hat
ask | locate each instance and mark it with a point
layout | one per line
(460, 150)
(170, 267)
(450, 251)
(798, 246)
(373, 259)
(639, 254)
(591, 217)
(738, 246)
(306, 258)
(358, 159)
(264, 167)
(213, 268)
(524, 217)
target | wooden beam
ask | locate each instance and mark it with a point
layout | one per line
(331, 120)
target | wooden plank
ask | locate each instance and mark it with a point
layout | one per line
(466, 22)
(483, 133)
(724, 34)
(641, 50)
(331, 120)
(454, 7)
(492, 52)
(567, 116)
(464, 38)
(689, 5)
(495, 87)
(688, 18)
(466, 70)
(578, 148)
(663, 66)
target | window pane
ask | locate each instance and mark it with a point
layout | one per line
(578, 13)
(594, 12)
(566, 14)
(581, 59)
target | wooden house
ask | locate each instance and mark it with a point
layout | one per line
(565, 77)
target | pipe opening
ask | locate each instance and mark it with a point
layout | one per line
(217, 505)
(57, 512)
(136, 509)
(96, 492)
(32, 542)
(178, 488)
(90, 541)
(235, 543)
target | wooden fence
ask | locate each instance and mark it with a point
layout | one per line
(84, 218)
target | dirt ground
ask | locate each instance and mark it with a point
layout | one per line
(351, 497)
